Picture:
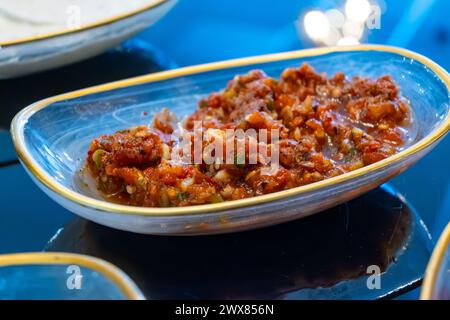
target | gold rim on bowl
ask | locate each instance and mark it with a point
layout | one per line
(24, 155)
(110, 271)
(84, 27)
(431, 273)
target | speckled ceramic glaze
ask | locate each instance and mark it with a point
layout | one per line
(55, 50)
(53, 135)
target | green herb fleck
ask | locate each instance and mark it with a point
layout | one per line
(350, 155)
(306, 156)
(215, 198)
(97, 157)
(182, 196)
(239, 160)
(270, 105)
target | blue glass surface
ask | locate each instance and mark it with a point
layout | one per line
(28, 218)
(199, 31)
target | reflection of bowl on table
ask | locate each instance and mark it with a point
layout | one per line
(42, 52)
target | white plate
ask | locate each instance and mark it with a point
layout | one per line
(54, 50)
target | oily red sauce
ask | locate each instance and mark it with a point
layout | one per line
(327, 126)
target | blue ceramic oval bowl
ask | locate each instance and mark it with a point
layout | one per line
(62, 276)
(436, 285)
(52, 136)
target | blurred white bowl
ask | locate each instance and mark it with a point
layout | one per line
(29, 55)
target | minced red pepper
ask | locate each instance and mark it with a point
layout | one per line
(327, 126)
